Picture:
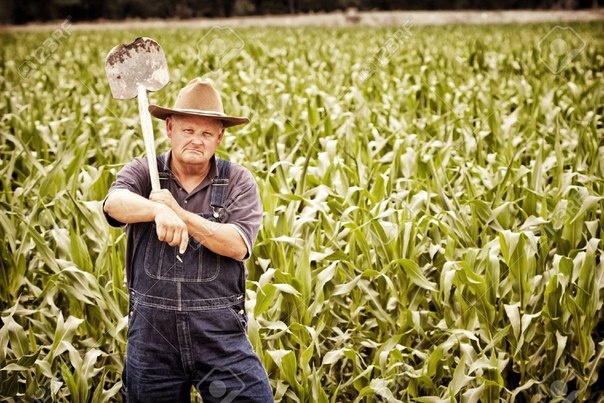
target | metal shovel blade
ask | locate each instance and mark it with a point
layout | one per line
(130, 65)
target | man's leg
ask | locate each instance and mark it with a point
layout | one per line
(226, 367)
(153, 371)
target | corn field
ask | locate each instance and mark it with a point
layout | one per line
(433, 204)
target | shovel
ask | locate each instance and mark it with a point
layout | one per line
(132, 70)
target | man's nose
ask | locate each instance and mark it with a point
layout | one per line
(198, 138)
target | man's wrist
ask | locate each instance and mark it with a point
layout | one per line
(158, 208)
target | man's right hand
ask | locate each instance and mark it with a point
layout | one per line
(170, 228)
(129, 208)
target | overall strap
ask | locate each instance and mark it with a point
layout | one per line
(220, 185)
(163, 175)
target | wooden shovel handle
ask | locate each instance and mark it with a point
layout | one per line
(147, 126)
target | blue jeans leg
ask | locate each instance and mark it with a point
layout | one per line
(170, 351)
(226, 367)
(153, 370)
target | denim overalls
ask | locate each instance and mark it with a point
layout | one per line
(187, 322)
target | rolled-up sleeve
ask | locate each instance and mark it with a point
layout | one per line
(244, 207)
(134, 177)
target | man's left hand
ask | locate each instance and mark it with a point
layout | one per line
(164, 196)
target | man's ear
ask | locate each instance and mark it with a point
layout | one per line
(220, 135)
(169, 123)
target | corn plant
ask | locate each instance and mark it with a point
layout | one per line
(432, 195)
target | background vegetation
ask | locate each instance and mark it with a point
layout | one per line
(22, 11)
(433, 203)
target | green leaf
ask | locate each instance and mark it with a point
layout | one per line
(342, 289)
(70, 382)
(588, 203)
(286, 361)
(264, 298)
(287, 288)
(331, 357)
(415, 274)
(24, 363)
(435, 362)
(17, 337)
(473, 395)
(460, 379)
(513, 314)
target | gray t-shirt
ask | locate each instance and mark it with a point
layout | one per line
(242, 206)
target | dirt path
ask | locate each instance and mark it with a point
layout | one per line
(340, 19)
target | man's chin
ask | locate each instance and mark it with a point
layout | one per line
(193, 159)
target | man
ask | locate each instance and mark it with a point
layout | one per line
(186, 245)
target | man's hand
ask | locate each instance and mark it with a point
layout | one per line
(131, 208)
(164, 196)
(170, 228)
(221, 238)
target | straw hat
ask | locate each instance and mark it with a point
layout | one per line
(198, 98)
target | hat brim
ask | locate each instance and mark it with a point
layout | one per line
(228, 121)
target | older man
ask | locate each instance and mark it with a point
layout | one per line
(186, 245)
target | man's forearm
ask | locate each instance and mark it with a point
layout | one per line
(128, 207)
(223, 239)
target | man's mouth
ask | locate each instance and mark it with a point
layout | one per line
(194, 150)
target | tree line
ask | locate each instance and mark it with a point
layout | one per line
(23, 11)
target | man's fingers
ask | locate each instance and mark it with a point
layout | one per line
(166, 234)
(184, 241)
(174, 236)
(161, 232)
(169, 238)
(170, 228)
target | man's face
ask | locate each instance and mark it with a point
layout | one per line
(194, 139)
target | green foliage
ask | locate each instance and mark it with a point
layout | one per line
(433, 210)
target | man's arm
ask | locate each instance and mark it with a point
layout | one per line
(223, 239)
(129, 208)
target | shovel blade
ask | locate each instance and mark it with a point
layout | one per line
(130, 65)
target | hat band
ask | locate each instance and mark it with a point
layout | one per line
(199, 112)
